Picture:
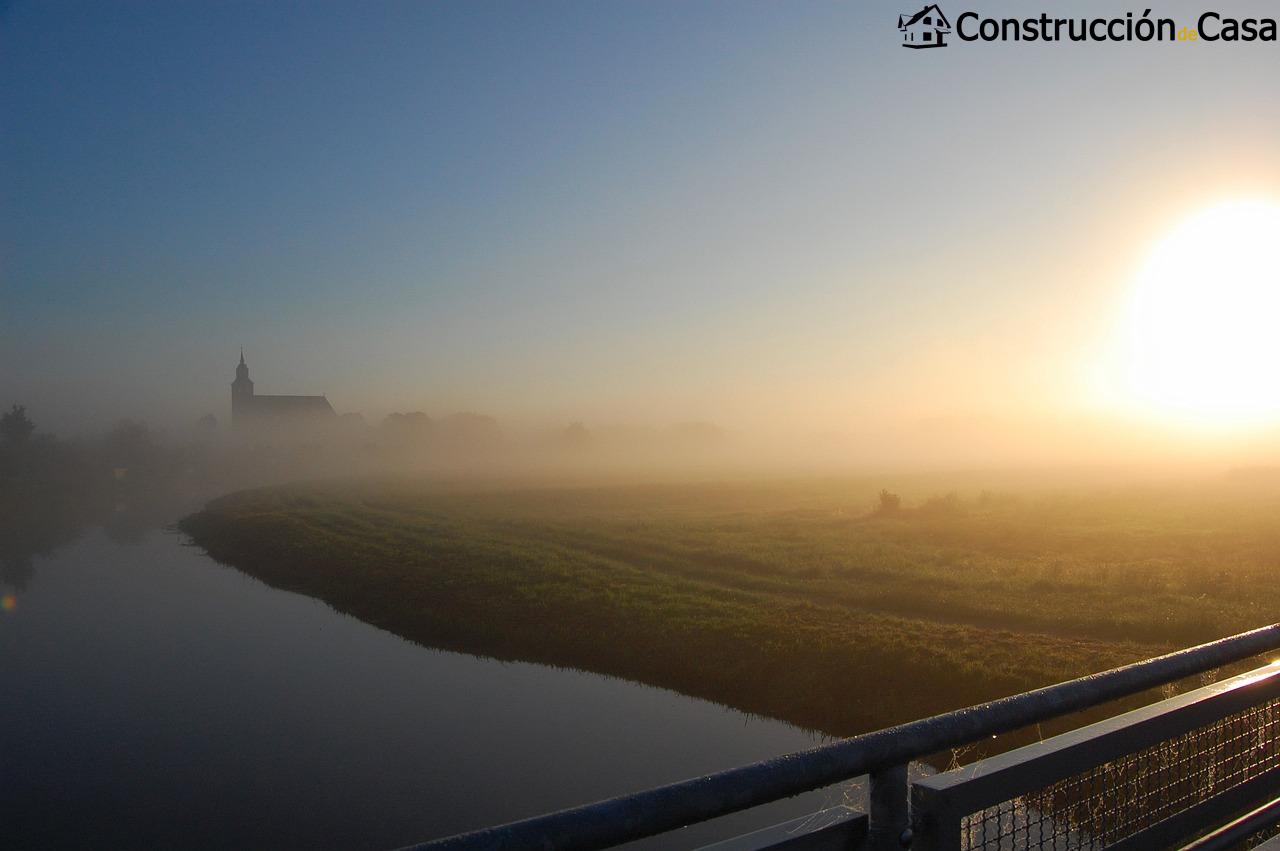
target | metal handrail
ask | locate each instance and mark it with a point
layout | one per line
(1148, 778)
(1230, 835)
(654, 811)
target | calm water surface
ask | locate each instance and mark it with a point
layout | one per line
(152, 698)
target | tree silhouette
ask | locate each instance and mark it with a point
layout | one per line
(16, 426)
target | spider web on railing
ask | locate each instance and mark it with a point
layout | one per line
(1118, 799)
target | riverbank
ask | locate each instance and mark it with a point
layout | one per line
(789, 601)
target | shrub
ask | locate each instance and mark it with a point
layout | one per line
(890, 503)
(947, 505)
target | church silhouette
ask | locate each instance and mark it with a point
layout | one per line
(248, 408)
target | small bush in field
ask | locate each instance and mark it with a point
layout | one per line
(890, 503)
(947, 505)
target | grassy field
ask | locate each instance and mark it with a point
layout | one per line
(795, 600)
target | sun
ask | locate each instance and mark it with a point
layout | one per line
(1203, 325)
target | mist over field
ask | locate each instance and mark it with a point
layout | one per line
(445, 210)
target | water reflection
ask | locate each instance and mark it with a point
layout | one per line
(40, 525)
(32, 528)
(164, 700)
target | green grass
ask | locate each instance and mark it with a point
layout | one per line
(787, 599)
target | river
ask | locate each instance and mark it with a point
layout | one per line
(153, 698)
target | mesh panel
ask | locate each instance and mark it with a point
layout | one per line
(1118, 799)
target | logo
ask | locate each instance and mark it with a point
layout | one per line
(930, 27)
(926, 28)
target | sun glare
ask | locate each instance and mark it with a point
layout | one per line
(1204, 324)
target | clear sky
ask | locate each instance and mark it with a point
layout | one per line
(765, 214)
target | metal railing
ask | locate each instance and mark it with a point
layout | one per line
(1230, 835)
(892, 822)
(1150, 778)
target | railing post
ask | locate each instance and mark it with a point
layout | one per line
(890, 818)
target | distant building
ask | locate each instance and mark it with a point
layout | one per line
(248, 408)
(926, 28)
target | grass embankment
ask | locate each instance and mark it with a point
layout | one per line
(784, 600)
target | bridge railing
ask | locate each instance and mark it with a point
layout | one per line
(1151, 778)
(935, 813)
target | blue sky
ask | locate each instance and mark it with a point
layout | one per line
(606, 211)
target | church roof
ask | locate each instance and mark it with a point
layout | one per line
(290, 405)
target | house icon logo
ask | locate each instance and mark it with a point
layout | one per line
(926, 28)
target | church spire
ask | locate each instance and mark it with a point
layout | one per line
(241, 391)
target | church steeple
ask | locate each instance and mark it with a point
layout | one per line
(241, 390)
